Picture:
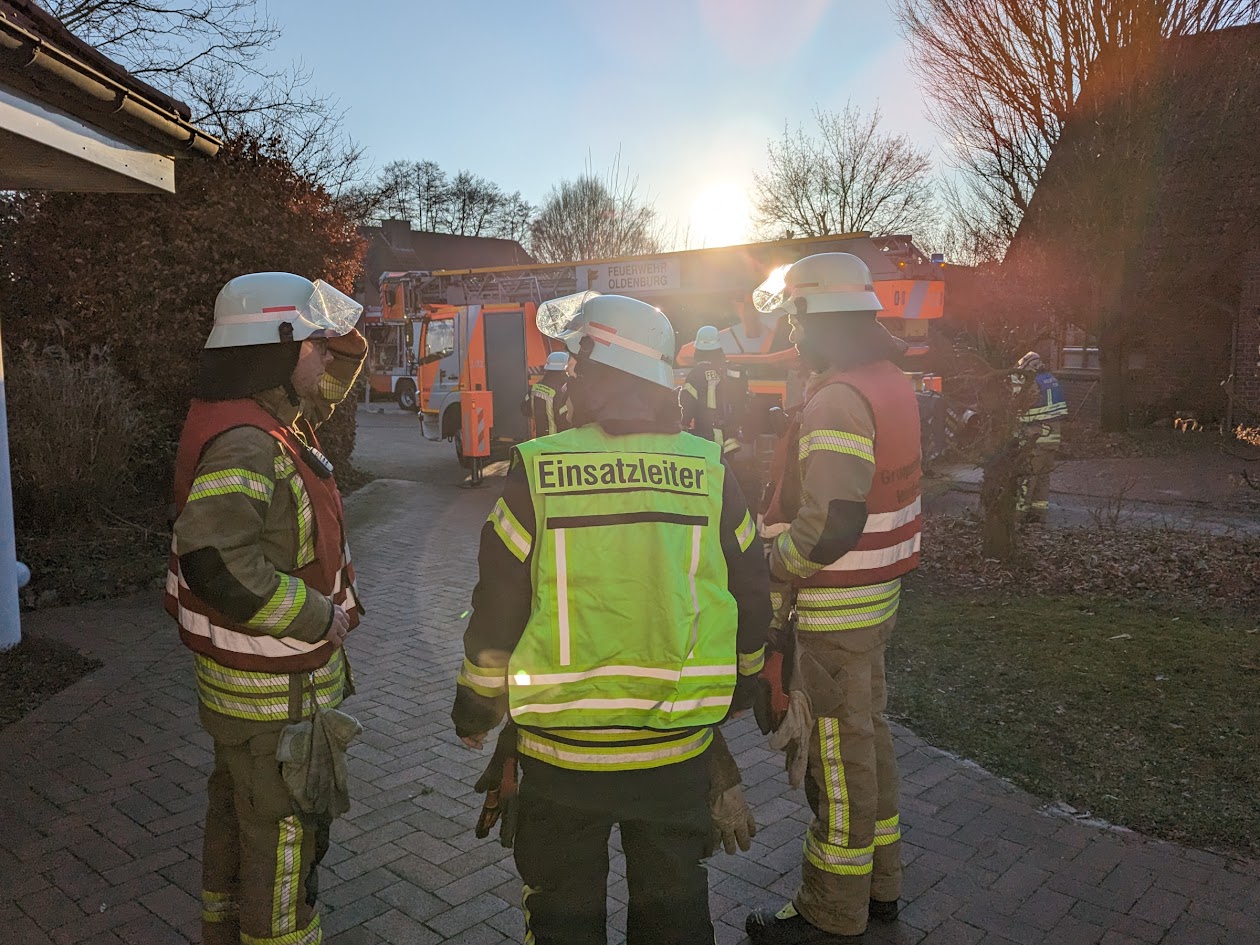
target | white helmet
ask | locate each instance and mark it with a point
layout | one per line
(557, 361)
(250, 310)
(707, 339)
(1030, 362)
(629, 335)
(825, 282)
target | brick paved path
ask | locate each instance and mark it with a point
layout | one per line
(101, 798)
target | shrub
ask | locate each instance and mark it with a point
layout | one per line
(74, 427)
(337, 435)
(139, 273)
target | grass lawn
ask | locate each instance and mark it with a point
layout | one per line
(1146, 715)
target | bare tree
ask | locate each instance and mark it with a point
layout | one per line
(472, 205)
(1005, 74)
(415, 191)
(845, 177)
(466, 204)
(212, 54)
(513, 218)
(594, 218)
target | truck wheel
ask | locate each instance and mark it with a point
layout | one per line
(465, 461)
(405, 393)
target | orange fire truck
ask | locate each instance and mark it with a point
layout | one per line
(692, 287)
(475, 365)
(392, 343)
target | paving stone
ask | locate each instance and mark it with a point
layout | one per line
(467, 914)
(150, 930)
(397, 927)
(103, 799)
(343, 894)
(414, 902)
(51, 909)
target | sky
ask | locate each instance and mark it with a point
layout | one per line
(687, 92)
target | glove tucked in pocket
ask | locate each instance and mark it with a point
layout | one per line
(312, 756)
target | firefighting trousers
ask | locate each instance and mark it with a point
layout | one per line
(852, 848)
(259, 857)
(1034, 495)
(562, 854)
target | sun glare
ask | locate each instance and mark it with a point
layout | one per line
(719, 216)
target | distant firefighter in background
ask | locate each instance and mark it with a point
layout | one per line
(549, 407)
(1040, 422)
(714, 396)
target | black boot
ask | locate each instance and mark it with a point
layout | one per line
(789, 927)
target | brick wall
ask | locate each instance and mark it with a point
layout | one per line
(1247, 367)
(1191, 217)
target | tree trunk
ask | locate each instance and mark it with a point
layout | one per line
(1115, 375)
(999, 492)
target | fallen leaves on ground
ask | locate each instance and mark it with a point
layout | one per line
(1128, 564)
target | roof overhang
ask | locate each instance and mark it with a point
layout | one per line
(71, 119)
(44, 148)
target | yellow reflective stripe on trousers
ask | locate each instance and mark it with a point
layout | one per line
(510, 531)
(488, 681)
(746, 532)
(833, 773)
(311, 935)
(838, 859)
(526, 892)
(581, 750)
(750, 664)
(888, 831)
(264, 697)
(284, 891)
(821, 609)
(837, 441)
(236, 481)
(218, 907)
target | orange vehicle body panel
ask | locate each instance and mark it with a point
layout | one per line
(477, 416)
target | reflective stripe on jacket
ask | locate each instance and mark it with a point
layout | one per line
(261, 643)
(1050, 408)
(549, 405)
(861, 587)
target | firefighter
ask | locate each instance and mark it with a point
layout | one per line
(623, 600)
(714, 395)
(550, 410)
(261, 584)
(1041, 424)
(842, 523)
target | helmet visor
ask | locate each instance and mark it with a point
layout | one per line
(561, 318)
(772, 294)
(328, 313)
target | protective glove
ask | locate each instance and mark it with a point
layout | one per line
(352, 344)
(774, 698)
(733, 823)
(499, 784)
(793, 735)
(509, 804)
(761, 706)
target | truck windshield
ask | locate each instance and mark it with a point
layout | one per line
(439, 337)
